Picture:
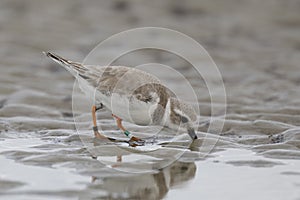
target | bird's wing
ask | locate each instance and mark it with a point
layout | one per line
(117, 79)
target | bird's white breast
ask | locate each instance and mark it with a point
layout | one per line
(128, 108)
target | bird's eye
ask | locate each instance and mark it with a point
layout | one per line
(183, 119)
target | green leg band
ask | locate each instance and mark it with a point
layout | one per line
(95, 128)
(127, 133)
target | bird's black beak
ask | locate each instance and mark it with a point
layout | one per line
(192, 133)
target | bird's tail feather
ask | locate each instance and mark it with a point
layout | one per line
(73, 67)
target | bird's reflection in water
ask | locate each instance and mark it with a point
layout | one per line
(153, 184)
(145, 186)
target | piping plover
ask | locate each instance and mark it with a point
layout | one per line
(132, 95)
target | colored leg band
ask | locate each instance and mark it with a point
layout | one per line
(127, 133)
(95, 128)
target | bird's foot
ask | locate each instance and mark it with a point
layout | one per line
(135, 141)
(99, 135)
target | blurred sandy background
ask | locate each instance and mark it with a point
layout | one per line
(254, 43)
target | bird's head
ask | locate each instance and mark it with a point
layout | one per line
(181, 116)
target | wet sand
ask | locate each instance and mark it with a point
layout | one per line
(256, 47)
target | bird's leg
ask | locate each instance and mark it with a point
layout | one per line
(119, 160)
(95, 128)
(134, 141)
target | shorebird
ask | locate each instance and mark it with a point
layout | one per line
(131, 95)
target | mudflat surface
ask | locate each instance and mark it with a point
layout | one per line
(256, 47)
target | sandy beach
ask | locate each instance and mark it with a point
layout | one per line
(255, 46)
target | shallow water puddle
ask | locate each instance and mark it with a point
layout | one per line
(23, 144)
(217, 178)
(229, 174)
(39, 179)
